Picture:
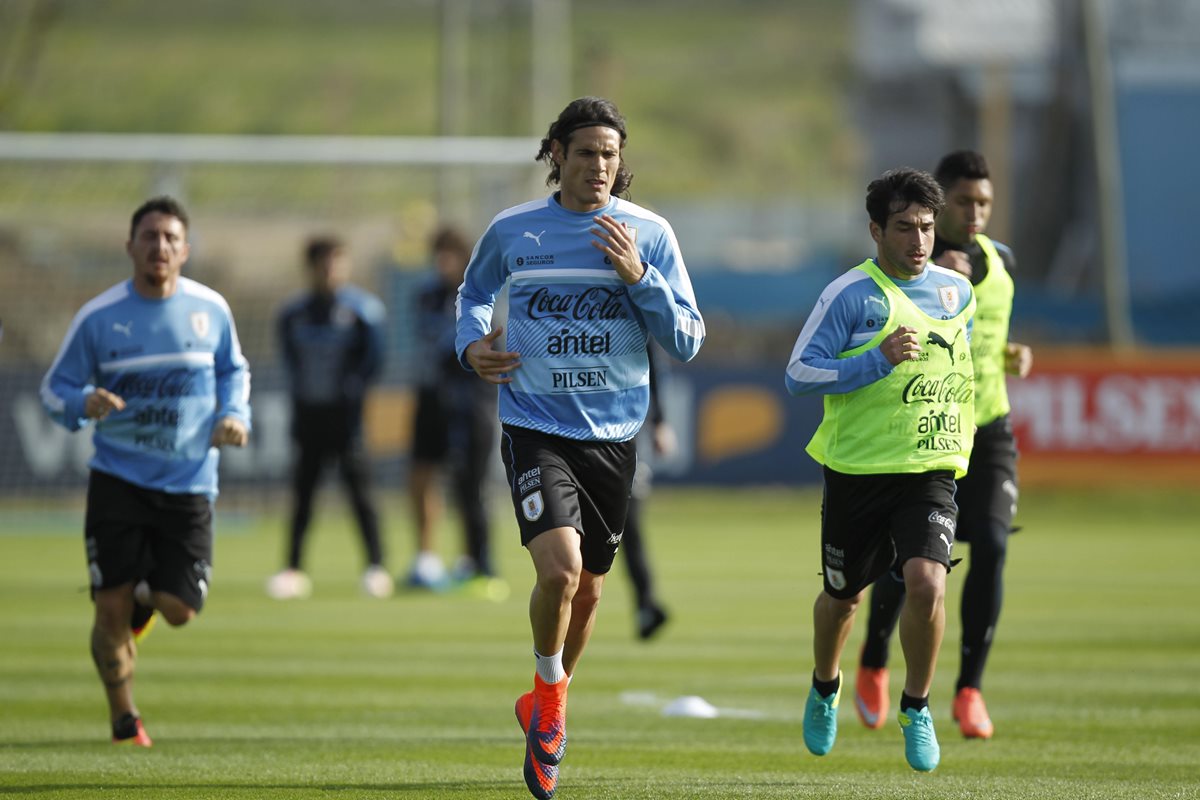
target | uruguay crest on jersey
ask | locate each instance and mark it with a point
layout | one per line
(949, 297)
(200, 323)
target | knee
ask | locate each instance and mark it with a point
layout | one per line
(588, 594)
(925, 595)
(175, 612)
(560, 580)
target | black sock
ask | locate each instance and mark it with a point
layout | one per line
(827, 688)
(125, 727)
(910, 703)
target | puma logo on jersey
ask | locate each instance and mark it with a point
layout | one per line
(936, 338)
(126, 329)
(949, 545)
(537, 237)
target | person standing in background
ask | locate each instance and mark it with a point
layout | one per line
(332, 338)
(454, 432)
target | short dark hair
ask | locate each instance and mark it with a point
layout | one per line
(319, 247)
(452, 239)
(959, 165)
(585, 113)
(161, 204)
(897, 189)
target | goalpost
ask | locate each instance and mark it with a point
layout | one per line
(65, 201)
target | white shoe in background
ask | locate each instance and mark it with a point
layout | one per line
(377, 583)
(290, 584)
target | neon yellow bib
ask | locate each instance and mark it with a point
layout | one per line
(921, 417)
(989, 336)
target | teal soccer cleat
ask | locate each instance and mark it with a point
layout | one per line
(820, 720)
(920, 742)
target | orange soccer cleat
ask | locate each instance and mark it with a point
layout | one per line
(548, 721)
(129, 730)
(971, 714)
(871, 696)
(541, 779)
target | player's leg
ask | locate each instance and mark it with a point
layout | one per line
(117, 555)
(923, 531)
(922, 624)
(474, 450)
(872, 681)
(854, 552)
(650, 615)
(182, 548)
(987, 498)
(354, 468)
(429, 452)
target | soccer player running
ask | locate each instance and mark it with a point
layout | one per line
(156, 364)
(590, 277)
(887, 345)
(332, 338)
(987, 495)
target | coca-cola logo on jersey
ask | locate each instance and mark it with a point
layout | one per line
(593, 303)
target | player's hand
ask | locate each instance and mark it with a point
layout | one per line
(489, 363)
(100, 403)
(901, 344)
(1018, 359)
(956, 260)
(616, 241)
(231, 431)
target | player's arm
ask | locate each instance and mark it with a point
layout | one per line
(1018, 358)
(232, 423)
(67, 392)
(664, 297)
(374, 317)
(814, 366)
(474, 341)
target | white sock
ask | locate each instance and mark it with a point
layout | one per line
(550, 668)
(141, 593)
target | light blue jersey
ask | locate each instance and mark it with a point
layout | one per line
(848, 314)
(178, 366)
(581, 331)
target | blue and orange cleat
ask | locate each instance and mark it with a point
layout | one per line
(129, 730)
(541, 779)
(548, 721)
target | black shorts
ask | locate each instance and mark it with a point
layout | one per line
(870, 521)
(133, 533)
(567, 483)
(987, 494)
(456, 420)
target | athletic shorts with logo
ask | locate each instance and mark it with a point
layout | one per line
(133, 533)
(869, 522)
(987, 494)
(569, 483)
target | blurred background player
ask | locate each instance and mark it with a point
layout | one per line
(591, 278)
(650, 615)
(332, 342)
(454, 432)
(155, 362)
(887, 346)
(987, 495)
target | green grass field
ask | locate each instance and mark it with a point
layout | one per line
(1093, 683)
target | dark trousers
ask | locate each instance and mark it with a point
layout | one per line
(322, 439)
